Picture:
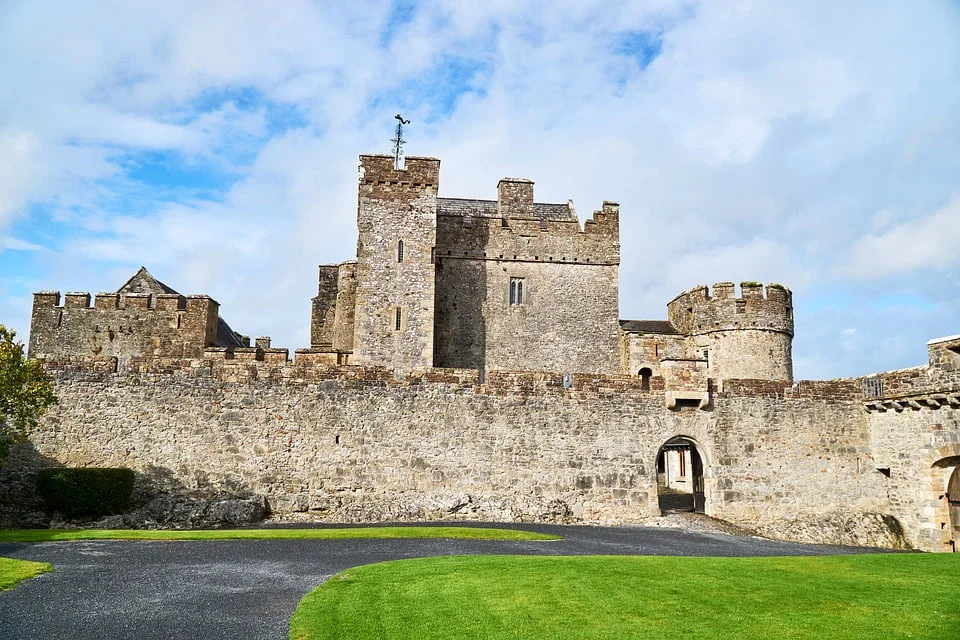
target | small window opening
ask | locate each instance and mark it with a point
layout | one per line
(884, 470)
(645, 375)
(400, 251)
(682, 459)
(516, 291)
(706, 356)
(398, 323)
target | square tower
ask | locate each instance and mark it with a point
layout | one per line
(397, 222)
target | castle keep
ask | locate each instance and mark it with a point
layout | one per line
(471, 364)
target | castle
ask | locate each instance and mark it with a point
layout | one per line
(471, 363)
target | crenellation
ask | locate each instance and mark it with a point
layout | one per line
(106, 301)
(137, 301)
(76, 300)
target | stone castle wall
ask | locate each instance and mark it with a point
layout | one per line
(914, 420)
(121, 325)
(358, 444)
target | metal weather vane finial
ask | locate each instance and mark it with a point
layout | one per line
(398, 142)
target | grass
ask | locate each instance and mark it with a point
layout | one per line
(13, 571)
(470, 533)
(832, 597)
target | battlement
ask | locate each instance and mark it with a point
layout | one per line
(416, 172)
(696, 311)
(81, 300)
(532, 239)
(123, 324)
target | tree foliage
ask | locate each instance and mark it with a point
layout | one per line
(25, 392)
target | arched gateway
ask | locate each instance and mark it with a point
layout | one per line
(680, 476)
(946, 486)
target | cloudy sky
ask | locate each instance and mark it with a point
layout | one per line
(814, 144)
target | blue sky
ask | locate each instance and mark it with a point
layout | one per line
(216, 143)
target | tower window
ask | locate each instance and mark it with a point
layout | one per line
(398, 321)
(645, 374)
(400, 251)
(516, 291)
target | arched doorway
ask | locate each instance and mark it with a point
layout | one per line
(680, 485)
(953, 500)
(946, 489)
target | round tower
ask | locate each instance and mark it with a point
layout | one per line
(750, 337)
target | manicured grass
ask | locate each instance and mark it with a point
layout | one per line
(834, 597)
(13, 571)
(470, 533)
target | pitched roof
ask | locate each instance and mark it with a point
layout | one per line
(143, 282)
(647, 326)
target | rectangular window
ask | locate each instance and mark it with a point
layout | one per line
(683, 463)
(516, 291)
(400, 251)
(398, 323)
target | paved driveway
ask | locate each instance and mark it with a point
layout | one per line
(249, 589)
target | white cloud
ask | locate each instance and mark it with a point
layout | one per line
(756, 146)
(927, 242)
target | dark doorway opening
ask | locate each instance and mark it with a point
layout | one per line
(680, 477)
(645, 374)
(953, 498)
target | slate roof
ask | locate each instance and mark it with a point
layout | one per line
(488, 209)
(647, 326)
(226, 337)
(143, 282)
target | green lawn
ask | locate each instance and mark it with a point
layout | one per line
(13, 571)
(836, 597)
(471, 533)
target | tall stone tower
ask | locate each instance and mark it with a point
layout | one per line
(395, 277)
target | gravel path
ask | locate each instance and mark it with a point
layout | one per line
(248, 589)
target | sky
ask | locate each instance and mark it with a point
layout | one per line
(814, 144)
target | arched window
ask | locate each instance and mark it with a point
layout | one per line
(400, 251)
(516, 291)
(645, 375)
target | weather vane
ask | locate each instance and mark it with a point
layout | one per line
(398, 142)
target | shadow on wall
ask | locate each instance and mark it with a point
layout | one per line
(21, 507)
(160, 500)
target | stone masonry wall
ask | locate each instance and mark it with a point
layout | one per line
(124, 325)
(914, 420)
(748, 336)
(357, 444)
(568, 318)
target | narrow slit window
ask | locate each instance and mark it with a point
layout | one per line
(400, 251)
(516, 291)
(398, 322)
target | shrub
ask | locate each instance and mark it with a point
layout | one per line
(86, 492)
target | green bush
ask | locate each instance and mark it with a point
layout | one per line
(86, 492)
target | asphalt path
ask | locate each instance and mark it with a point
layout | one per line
(233, 589)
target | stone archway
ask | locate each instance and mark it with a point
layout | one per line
(680, 477)
(946, 486)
